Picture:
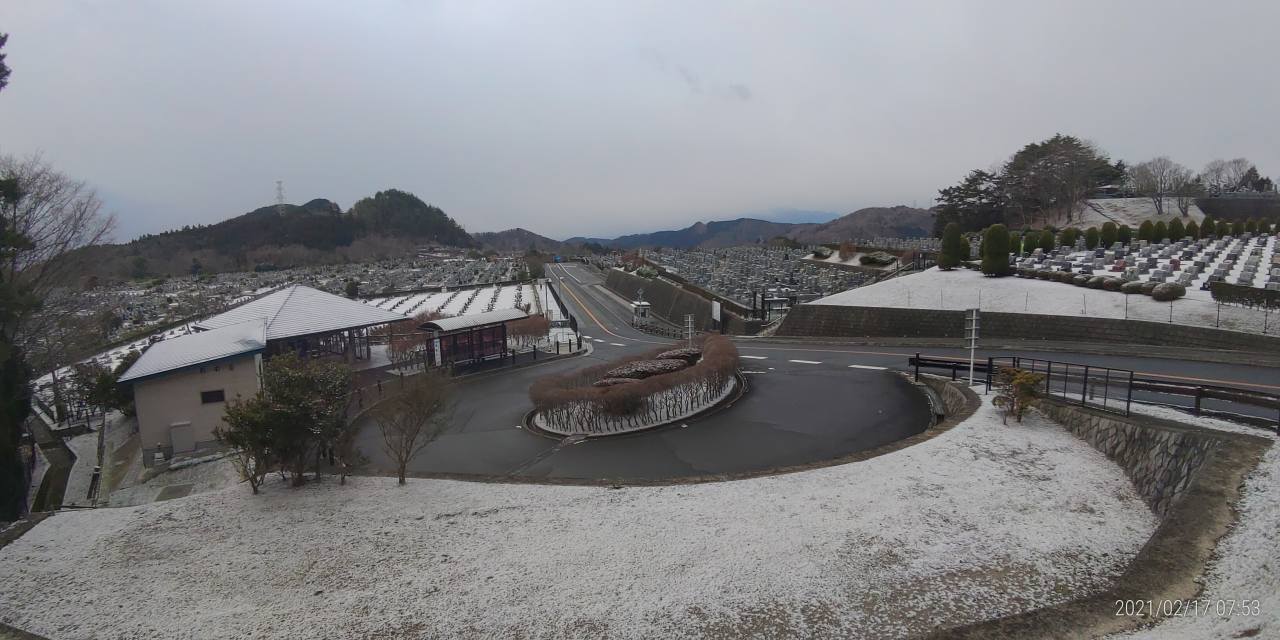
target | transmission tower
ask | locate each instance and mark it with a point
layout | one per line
(280, 197)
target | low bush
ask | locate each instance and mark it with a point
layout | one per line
(1132, 287)
(1111, 284)
(1095, 282)
(1148, 287)
(1080, 280)
(1166, 291)
(1065, 276)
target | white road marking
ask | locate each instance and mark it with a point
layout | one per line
(867, 366)
(754, 357)
(617, 344)
(805, 361)
(745, 371)
(597, 340)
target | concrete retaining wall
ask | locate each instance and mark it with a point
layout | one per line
(671, 302)
(812, 320)
(1160, 460)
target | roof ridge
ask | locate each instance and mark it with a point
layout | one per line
(292, 288)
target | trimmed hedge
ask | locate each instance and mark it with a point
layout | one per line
(1242, 295)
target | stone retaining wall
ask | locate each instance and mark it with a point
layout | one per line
(954, 401)
(672, 302)
(1161, 461)
(814, 320)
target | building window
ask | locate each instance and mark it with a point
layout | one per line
(210, 397)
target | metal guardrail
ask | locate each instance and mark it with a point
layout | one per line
(1110, 389)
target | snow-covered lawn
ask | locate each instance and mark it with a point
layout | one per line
(981, 521)
(1246, 564)
(966, 289)
(1131, 211)
(198, 478)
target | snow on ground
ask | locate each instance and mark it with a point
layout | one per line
(966, 289)
(981, 521)
(206, 476)
(85, 449)
(1131, 211)
(1246, 563)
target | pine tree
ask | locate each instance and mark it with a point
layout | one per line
(1146, 231)
(1176, 230)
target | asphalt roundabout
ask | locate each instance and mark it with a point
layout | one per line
(791, 415)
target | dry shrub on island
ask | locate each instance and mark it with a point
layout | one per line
(528, 331)
(404, 338)
(576, 402)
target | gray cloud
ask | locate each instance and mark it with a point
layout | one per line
(602, 118)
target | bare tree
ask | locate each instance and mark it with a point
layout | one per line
(1214, 176)
(1187, 194)
(1158, 179)
(1234, 172)
(414, 416)
(55, 216)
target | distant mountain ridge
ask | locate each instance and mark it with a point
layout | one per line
(390, 222)
(895, 222)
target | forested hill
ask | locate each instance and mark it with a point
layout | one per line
(897, 222)
(388, 223)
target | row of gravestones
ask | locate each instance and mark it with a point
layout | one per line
(1183, 261)
(739, 272)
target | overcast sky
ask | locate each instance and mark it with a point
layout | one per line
(601, 118)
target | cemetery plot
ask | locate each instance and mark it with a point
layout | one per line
(740, 273)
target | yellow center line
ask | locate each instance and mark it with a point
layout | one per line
(587, 311)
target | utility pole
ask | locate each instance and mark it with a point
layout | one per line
(971, 334)
(688, 329)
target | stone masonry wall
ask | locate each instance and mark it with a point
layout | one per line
(672, 302)
(1160, 461)
(812, 320)
(953, 399)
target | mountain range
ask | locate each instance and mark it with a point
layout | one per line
(897, 222)
(393, 223)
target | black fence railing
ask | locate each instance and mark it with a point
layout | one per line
(1098, 387)
(1115, 390)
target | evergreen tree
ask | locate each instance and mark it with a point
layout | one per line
(995, 253)
(1122, 234)
(952, 246)
(1208, 227)
(1109, 234)
(1015, 243)
(1251, 226)
(1193, 229)
(1146, 231)
(1091, 238)
(1176, 230)
(1237, 228)
(1069, 236)
(1159, 231)
(1047, 241)
(1223, 228)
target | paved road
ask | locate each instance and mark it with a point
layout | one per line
(806, 403)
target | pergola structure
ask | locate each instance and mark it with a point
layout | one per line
(467, 339)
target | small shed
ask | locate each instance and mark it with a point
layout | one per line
(470, 338)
